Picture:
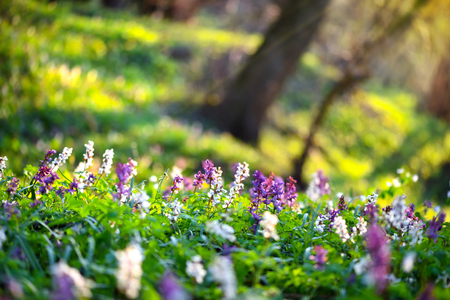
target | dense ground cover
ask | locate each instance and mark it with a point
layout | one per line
(68, 75)
(99, 233)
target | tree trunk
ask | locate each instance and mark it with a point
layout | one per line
(438, 102)
(256, 86)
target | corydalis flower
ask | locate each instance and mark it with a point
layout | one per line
(175, 210)
(223, 230)
(107, 162)
(318, 186)
(217, 190)
(69, 283)
(342, 205)
(61, 159)
(242, 172)
(3, 160)
(435, 226)
(123, 172)
(269, 224)
(132, 164)
(222, 272)
(170, 288)
(194, 268)
(380, 255)
(13, 185)
(340, 226)
(320, 258)
(290, 195)
(176, 184)
(199, 179)
(45, 177)
(129, 271)
(89, 155)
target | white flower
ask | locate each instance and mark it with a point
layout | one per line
(133, 164)
(153, 178)
(3, 160)
(392, 279)
(223, 230)
(388, 183)
(408, 262)
(194, 268)
(129, 271)
(319, 224)
(217, 189)
(242, 173)
(396, 182)
(222, 272)
(415, 178)
(88, 156)
(437, 209)
(107, 162)
(400, 171)
(361, 226)
(61, 159)
(362, 265)
(2, 237)
(81, 286)
(341, 228)
(269, 224)
(176, 207)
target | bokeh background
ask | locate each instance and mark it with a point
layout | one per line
(173, 82)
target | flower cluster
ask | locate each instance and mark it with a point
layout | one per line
(223, 230)
(340, 227)
(63, 156)
(380, 255)
(123, 172)
(175, 208)
(176, 184)
(320, 258)
(222, 272)
(318, 186)
(45, 176)
(69, 283)
(435, 226)
(241, 174)
(216, 191)
(129, 271)
(89, 155)
(12, 187)
(269, 223)
(3, 160)
(107, 162)
(194, 268)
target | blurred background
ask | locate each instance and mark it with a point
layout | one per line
(355, 88)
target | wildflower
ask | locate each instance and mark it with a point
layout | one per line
(342, 205)
(427, 293)
(290, 195)
(170, 288)
(318, 186)
(380, 255)
(269, 223)
(320, 258)
(408, 262)
(199, 179)
(427, 204)
(217, 189)
(175, 207)
(361, 227)
(85, 180)
(176, 183)
(415, 178)
(107, 162)
(362, 265)
(132, 164)
(69, 283)
(63, 156)
(340, 227)
(11, 209)
(222, 272)
(13, 185)
(396, 182)
(2, 236)
(123, 172)
(320, 224)
(208, 166)
(434, 226)
(88, 156)
(3, 160)
(242, 172)
(223, 230)
(45, 176)
(194, 268)
(129, 271)
(400, 171)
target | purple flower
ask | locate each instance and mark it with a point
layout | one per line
(11, 209)
(13, 185)
(36, 203)
(342, 205)
(18, 254)
(123, 172)
(176, 184)
(45, 176)
(380, 254)
(371, 211)
(323, 184)
(199, 179)
(427, 293)
(290, 195)
(170, 288)
(208, 166)
(434, 226)
(187, 183)
(427, 204)
(64, 288)
(320, 258)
